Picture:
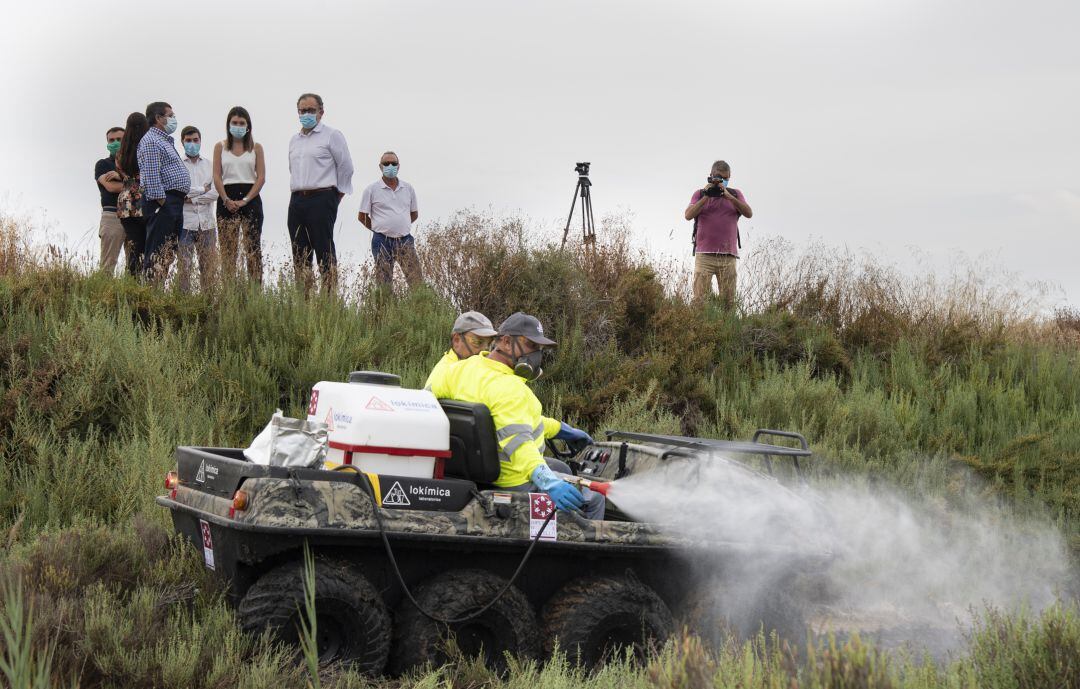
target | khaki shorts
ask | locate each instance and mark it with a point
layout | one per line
(720, 265)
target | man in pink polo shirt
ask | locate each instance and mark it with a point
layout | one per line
(717, 209)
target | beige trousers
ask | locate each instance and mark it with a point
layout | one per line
(720, 265)
(111, 234)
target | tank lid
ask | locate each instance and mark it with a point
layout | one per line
(375, 378)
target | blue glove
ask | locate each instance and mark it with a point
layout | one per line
(566, 497)
(571, 434)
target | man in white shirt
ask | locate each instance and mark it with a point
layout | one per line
(388, 208)
(199, 235)
(320, 174)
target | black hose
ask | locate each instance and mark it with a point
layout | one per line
(401, 581)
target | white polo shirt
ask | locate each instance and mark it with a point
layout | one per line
(388, 208)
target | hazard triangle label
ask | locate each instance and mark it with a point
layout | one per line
(201, 475)
(329, 420)
(376, 404)
(396, 497)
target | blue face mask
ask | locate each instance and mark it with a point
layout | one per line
(170, 124)
(308, 121)
(192, 149)
(238, 132)
(389, 171)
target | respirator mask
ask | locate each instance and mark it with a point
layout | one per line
(527, 366)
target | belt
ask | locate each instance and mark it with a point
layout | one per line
(312, 192)
(175, 192)
(108, 209)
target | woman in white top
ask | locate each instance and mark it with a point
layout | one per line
(239, 175)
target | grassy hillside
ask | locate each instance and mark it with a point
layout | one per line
(954, 389)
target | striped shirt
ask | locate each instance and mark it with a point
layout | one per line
(160, 167)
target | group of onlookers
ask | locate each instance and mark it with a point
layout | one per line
(159, 205)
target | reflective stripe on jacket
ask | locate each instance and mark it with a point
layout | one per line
(519, 425)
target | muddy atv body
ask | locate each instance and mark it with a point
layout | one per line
(394, 552)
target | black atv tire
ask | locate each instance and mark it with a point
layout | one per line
(508, 626)
(776, 608)
(352, 621)
(594, 617)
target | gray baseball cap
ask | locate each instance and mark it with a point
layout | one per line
(527, 326)
(474, 322)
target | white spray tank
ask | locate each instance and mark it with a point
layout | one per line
(380, 427)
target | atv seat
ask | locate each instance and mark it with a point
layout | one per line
(474, 450)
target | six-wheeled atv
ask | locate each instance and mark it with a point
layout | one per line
(401, 562)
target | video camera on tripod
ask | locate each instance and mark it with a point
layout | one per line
(588, 227)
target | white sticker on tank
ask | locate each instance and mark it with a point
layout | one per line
(200, 475)
(396, 497)
(540, 506)
(207, 544)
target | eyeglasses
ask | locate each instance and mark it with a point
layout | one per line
(308, 111)
(388, 164)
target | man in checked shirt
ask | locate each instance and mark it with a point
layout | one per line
(165, 183)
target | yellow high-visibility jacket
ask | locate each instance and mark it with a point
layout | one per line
(519, 425)
(440, 369)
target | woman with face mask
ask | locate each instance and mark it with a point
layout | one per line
(239, 176)
(129, 200)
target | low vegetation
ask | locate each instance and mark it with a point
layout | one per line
(961, 388)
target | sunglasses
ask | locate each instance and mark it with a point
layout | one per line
(388, 164)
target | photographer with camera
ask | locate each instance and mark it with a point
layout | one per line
(715, 210)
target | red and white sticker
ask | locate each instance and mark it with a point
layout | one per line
(207, 544)
(376, 404)
(313, 406)
(540, 506)
(329, 420)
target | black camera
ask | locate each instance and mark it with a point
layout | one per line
(582, 168)
(717, 191)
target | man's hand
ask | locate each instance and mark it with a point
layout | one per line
(160, 202)
(566, 497)
(573, 435)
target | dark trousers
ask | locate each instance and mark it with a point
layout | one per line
(241, 232)
(387, 250)
(134, 244)
(163, 225)
(311, 231)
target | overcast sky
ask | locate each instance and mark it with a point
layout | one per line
(885, 124)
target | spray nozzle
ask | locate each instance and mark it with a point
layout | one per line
(600, 487)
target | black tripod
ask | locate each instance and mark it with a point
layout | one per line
(588, 228)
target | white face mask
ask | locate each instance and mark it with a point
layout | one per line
(170, 124)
